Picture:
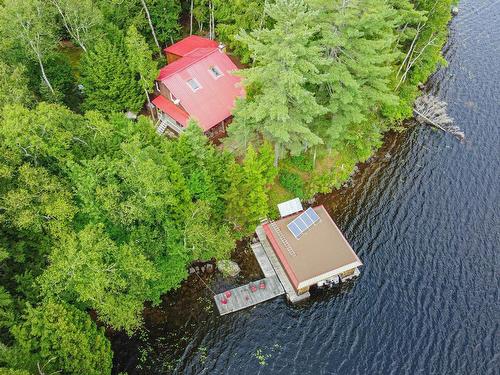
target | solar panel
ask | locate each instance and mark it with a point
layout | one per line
(312, 214)
(290, 207)
(303, 222)
(294, 229)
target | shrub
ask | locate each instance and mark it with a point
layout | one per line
(293, 183)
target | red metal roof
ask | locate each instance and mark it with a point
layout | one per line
(189, 44)
(279, 252)
(214, 100)
(171, 109)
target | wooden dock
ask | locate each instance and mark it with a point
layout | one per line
(263, 260)
(278, 268)
(243, 296)
(275, 280)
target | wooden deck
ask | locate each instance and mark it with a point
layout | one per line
(264, 263)
(243, 297)
(278, 268)
(275, 279)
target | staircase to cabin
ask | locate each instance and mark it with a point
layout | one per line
(160, 129)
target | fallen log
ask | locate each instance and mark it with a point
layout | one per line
(431, 111)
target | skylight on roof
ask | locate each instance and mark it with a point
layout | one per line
(195, 86)
(215, 71)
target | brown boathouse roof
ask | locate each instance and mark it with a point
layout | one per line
(319, 253)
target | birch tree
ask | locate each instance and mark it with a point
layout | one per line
(32, 24)
(79, 17)
(150, 22)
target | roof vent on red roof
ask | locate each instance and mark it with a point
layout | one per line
(189, 44)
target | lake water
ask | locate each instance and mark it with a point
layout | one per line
(424, 218)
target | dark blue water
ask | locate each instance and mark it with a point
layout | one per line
(424, 218)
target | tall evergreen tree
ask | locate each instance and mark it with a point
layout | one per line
(140, 60)
(109, 83)
(279, 105)
(358, 37)
(247, 197)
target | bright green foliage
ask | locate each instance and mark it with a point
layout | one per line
(247, 197)
(10, 371)
(203, 239)
(165, 15)
(109, 83)
(98, 272)
(140, 60)
(58, 337)
(14, 85)
(81, 20)
(424, 51)
(279, 106)
(37, 204)
(234, 16)
(31, 26)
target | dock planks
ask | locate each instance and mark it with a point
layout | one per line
(263, 260)
(242, 297)
(278, 268)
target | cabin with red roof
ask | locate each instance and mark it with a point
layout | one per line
(197, 83)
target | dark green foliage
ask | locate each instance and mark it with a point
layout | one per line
(109, 84)
(292, 182)
(303, 162)
(60, 74)
(165, 15)
(234, 16)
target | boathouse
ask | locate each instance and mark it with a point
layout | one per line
(198, 83)
(310, 248)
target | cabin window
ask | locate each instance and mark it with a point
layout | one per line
(215, 71)
(195, 86)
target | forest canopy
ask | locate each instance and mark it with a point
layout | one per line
(99, 215)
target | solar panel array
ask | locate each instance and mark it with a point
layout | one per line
(303, 222)
(290, 207)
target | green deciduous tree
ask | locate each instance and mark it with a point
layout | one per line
(14, 85)
(109, 83)
(57, 337)
(279, 104)
(165, 16)
(109, 277)
(80, 18)
(31, 24)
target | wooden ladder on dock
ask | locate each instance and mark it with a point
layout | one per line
(282, 238)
